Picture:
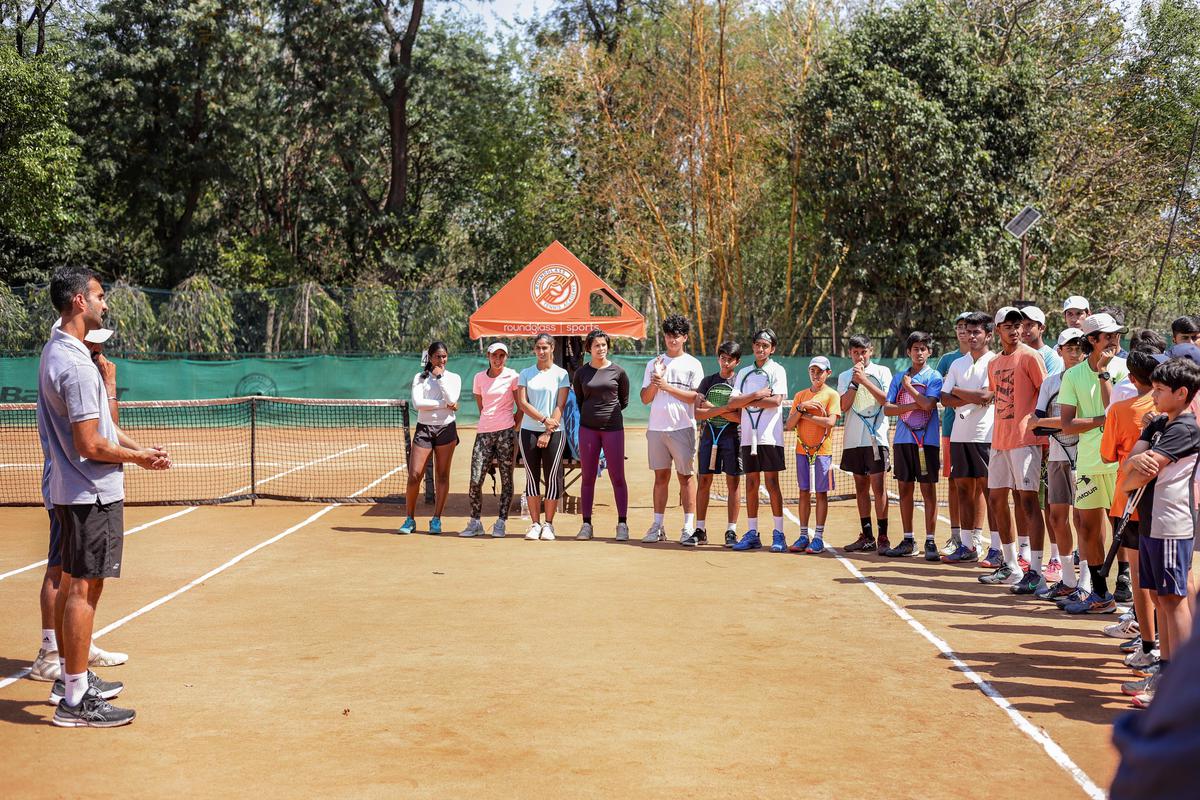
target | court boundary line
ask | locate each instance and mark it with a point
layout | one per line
(112, 626)
(1039, 736)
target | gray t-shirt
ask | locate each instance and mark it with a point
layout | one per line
(70, 389)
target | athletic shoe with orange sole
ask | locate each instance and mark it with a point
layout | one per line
(993, 560)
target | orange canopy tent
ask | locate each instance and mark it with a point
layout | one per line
(554, 293)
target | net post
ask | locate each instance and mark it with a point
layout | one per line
(253, 444)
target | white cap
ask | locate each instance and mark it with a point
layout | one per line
(1006, 312)
(1034, 313)
(98, 336)
(496, 347)
(1075, 301)
(962, 316)
(820, 361)
(1069, 335)
(1102, 323)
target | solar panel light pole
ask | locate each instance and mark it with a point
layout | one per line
(1018, 226)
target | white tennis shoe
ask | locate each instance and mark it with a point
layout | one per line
(45, 666)
(535, 532)
(655, 534)
(547, 532)
(104, 658)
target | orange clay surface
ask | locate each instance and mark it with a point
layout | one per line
(343, 660)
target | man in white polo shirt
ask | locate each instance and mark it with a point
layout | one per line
(87, 489)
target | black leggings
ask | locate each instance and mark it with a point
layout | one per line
(543, 465)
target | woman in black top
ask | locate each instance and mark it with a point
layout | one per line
(602, 390)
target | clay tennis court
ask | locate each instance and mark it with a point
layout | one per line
(288, 650)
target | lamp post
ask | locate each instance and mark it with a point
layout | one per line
(1017, 227)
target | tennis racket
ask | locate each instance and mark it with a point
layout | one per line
(916, 420)
(811, 437)
(753, 381)
(717, 395)
(1068, 442)
(869, 410)
(1119, 533)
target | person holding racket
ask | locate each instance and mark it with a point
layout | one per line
(1015, 464)
(1060, 470)
(815, 412)
(720, 448)
(669, 387)
(913, 397)
(1165, 462)
(758, 391)
(865, 454)
(965, 393)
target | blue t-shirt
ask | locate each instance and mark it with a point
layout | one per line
(1054, 364)
(932, 380)
(541, 392)
(943, 369)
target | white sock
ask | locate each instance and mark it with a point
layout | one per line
(700, 525)
(1085, 577)
(49, 640)
(752, 523)
(689, 522)
(1023, 541)
(995, 540)
(804, 531)
(976, 538)
(1035, 561)
(820, 534)
(777, 522)
(658, 519)
(732, 526)
(1068, 576)
(76, 686)
(929, 536)
(1053, 552)
(956, 534)
(1010, 555)
(908, 535)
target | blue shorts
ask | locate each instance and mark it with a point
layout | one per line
(1163, 565)
(822, 468)
(54, 555)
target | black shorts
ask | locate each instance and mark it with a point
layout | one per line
(431, 436)
(93, 537)
(969, 459)
(908, 469)
(54, 553)
(729, 453)
(769, 458)
(1130, 537)
(862, 461)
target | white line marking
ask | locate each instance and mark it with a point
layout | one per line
(216, 570)
(1052, 748)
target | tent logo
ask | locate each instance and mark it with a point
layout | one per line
(554, 288)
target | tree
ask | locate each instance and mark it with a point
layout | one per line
(199, 318)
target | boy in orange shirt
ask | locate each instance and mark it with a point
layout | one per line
(814, 411)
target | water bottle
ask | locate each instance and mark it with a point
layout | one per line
(524, 507)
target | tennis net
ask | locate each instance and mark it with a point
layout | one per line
(237, 449)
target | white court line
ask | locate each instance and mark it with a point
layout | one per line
(1052, 748)
(216, 570)
(190, 509)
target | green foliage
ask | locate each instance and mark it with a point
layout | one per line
(434, 315)
(14, 322)
(199, 318)
(132, 317)
(313, 321)
(373, 312)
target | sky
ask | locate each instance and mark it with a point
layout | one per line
(494, 12)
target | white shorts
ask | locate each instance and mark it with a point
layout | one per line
(1019, 469)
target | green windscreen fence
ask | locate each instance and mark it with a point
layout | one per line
(339, 377)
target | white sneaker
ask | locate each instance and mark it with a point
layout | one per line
(1138, 658)
(622, 532)
(547, 532)
(585, 531)
(655, 534)
(950, 546)
(45, 666)
(103, 658)
(1123, 629)
(498, 529)
(474, 528)
(1014, 578)
(535, 532)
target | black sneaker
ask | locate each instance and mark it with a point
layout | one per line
(691, 540)
(701, 535)
(863, 544)
(931, 551)
(1029, 583)
(93, 711)
(106, 689)
(1123, 592)
(730, 538)
(906, 548)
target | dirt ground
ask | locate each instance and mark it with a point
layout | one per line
(342, 660)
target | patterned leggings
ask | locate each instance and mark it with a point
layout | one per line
(492, 448)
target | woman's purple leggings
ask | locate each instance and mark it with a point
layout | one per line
(613, 443)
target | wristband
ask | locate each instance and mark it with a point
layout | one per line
(853, 385)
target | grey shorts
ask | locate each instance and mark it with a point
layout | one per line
(1060, 483)
(1019, 469)
(664, 448)
(93, 537)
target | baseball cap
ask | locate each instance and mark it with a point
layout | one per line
(1034, 313)
(820, 361)
(98, 336)
(962, 316)
(1186, 350)
(1101, 323)
(1008, 311)
(1069, 335)
(495, 347)
(1075, 301)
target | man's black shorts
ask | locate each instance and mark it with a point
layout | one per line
(54, 552)
(729, 453)
(1131, 536)
(768, 459)
(431, 436)
(908, 469)
(93, 537)
(862, 461)
(969, 459)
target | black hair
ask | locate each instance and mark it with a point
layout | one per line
(1116, 312)
(676, 325)
(427, 357)
(768, 334)
(68, 282)
(731, 349)
(1142, 364)
(593, 336)
(1149, 340)
(978, 319)
(918, 337)
(859, 340)
(1185, 324)
(1178, 373)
